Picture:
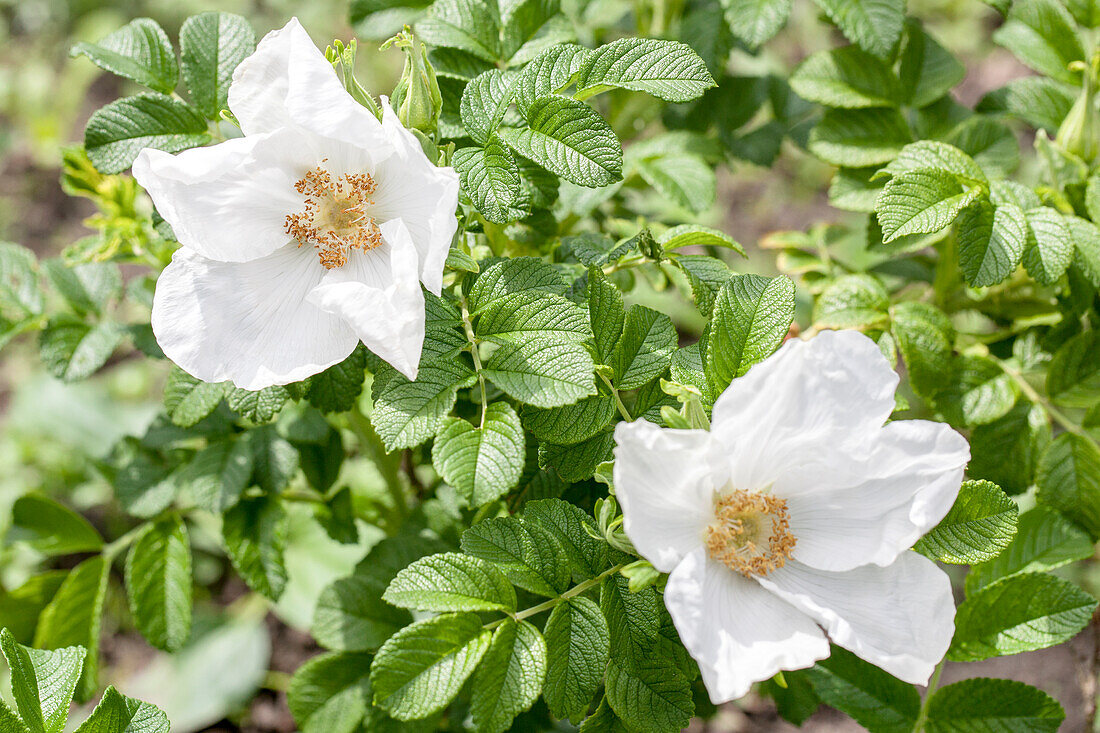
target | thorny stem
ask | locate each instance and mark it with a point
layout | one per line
(571, 593)
(468, 326)
(387, 465)
(618, 400)
(922, 716)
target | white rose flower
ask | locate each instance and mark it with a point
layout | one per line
(307, 235)
(789, 523)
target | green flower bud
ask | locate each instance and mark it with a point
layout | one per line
(1079, 133)
(416, 97)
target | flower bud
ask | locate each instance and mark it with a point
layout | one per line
(416, 97)
(1079, 133)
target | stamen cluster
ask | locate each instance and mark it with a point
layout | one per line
(750, 533)
(334, 219)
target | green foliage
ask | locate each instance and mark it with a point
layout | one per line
(979, 526)
(872, 697)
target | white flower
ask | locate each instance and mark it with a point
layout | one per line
(310, 233)
(792, 519)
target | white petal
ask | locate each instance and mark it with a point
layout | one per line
(247, 322)
(738, 632)
(899, 617)
(419, 193)
(830, 390)
(228, 202)
(875, 502)
(287, 81)
(377, 293)
(661, 480)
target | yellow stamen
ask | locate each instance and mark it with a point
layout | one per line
(750, 533)
(334, 219)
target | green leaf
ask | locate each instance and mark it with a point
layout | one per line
(578, 649)
(684, 180)
(1007, 450)
(980, 524)
(408, 413)
(74, 616)
(72, 350)
(219, 474)
(19, 281)
(752, 315)
(21, 607)
(43, 682)
(669, 70)
(1042, 34)
(274, 459)
(542, 372)
(645, 349)
(979, 393)
(568, 138)
(577, 462)
(255, 533)
(1017, 614)
(188, 400)
(351, 615)
(874, 25)
(1074, 375)
(605, 312)
(921, 202)
(548, 73)
(574, 529)
(990, 142)
(572, 423)
(211, 47)
(258, 406)
(510, 676)
(1050, 245)
(529, 556)
(931, 155)
(857, 138)
(1044, 540)
(158, 583)
(490, 177)
(847, 77)
(991, 241)
(516, 275)
(852, 301)
(534, 313)
(116, 133)
(51, 528)
(706, 276)
(139, 51)
(1069, 479)
(451, 582)
(422, 667)
(927, 70)
(650, 696)
(331, 693)
(756, 21)
(117, 713)
(337, 388)
(694, 235)
(86, 287)
(472, 26)
(925, 338)
(483, 463)
(872, 697)
(337, 515)
(994, 705)
(1042, 103)
(484, 101)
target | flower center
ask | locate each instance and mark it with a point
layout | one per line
(750, 532)
(334, 219)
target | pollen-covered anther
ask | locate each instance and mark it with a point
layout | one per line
(334, 219)
(750, 532)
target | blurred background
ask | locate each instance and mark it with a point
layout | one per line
(233, 674)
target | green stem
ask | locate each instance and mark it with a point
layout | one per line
(618, 400)
(468, 326)
(388, 465)
(114, 549)
(922, 716)
(1033, 395)
(571, 593)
